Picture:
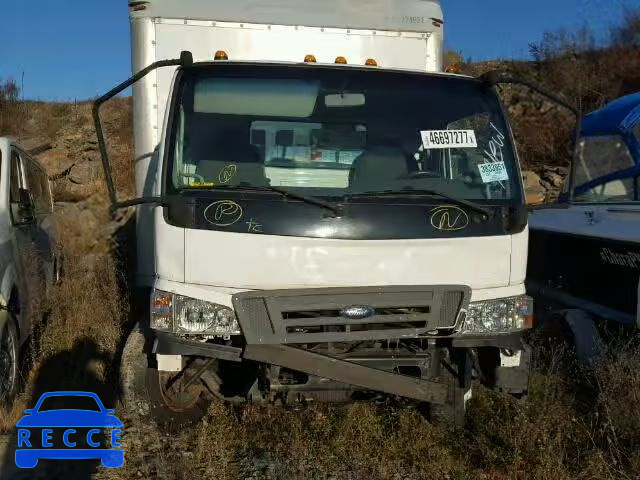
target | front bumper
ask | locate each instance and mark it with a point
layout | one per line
(280, 326)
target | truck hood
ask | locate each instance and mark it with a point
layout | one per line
(247, 261)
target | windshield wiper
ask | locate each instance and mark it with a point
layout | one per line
(318, 202)
(486, 214)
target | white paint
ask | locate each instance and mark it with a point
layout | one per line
(467, 396)
(510, 361)
(169, 363)
(301, 177)
(608, 221)
(238, 260)
(493, 172)
(441, 139)
(496, 144)
(413, 15)
(519, 257)
(212, 265)
(163, 30)
(222, 295)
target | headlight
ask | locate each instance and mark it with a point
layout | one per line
(174, 313)
(501, 315)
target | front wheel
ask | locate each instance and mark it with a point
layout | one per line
(165, 396)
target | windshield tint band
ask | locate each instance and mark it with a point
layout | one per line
(262, 214)
(363, 131)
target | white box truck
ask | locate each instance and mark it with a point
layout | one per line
(322, 214)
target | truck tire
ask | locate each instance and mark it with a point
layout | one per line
(572, 335)
(456, 370)
(586, 338)
(143, 394)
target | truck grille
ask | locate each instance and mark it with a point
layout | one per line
(318, 315)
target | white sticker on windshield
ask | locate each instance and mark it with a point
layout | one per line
(449, 139)
(493, 172)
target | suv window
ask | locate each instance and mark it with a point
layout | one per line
(39, 187)
(600, 156)
(15, 181)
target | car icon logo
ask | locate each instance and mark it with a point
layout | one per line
(77, 432)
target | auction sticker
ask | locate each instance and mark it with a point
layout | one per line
(449, 139)
(493, 172)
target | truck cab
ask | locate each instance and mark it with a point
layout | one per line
(321, 229)
(27, 257)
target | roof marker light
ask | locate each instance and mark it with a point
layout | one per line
(341, 60)
(221, 55)
(310, 59)
(138, 6)
(455, 68)
(371, 62)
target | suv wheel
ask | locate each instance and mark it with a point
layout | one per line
(8, 359)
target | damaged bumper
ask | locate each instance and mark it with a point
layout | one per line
(385, 339)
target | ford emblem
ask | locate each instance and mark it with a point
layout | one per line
(357, 312)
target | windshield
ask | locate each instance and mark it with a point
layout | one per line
(335, 132)
(599, 157)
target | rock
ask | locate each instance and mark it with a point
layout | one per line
(555, 179)
(546, 185)
(535, 197)
(530, 179)
(534, 190)
(84, 173)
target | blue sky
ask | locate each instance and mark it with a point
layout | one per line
(79, 49)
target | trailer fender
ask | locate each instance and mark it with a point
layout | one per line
(586, 338)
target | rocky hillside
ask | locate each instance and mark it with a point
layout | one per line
(68, 148)
(64, 138)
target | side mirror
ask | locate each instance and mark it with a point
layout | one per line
(28, 411)
(22, 211)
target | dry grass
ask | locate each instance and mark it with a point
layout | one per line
(584, 426)
(552, 436)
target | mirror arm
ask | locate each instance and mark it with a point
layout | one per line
(159, 201)
(495, 77)
(185, 60)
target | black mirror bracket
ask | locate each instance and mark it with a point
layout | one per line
(495, 77)
(185, 60)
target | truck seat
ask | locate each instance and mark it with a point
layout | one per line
(235, 166)
(376, 168)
